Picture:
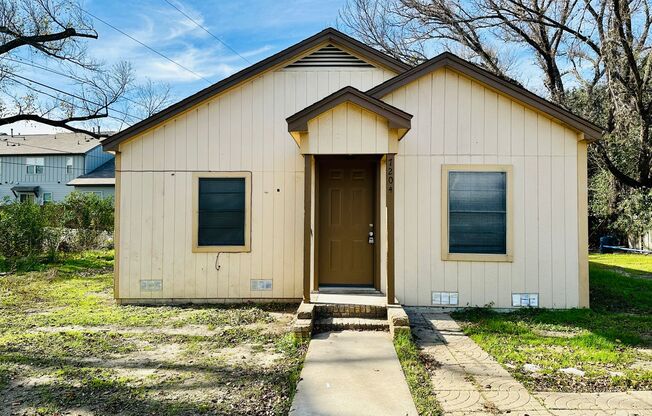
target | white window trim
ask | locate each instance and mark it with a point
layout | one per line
(196, 248)
(35, 162)
(509, 254)
(69, 165)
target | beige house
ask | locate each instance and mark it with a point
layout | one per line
(331, 164)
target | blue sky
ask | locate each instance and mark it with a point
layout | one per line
(255, 29)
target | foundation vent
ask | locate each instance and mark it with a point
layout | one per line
(525, 300)
(258, 285)
(330, 56)
(445, 298)
(151, 285)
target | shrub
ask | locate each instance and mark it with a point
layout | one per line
(90, 216)
(22, 229)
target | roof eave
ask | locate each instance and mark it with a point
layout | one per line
(327, 35)
(592, 131)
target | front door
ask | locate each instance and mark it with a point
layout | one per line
(346, 218)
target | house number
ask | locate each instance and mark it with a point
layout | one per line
(390, 174)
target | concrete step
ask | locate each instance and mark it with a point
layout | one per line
(359, 324)
(334, 310)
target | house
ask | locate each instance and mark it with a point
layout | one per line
(330, 164)
(100, 181)
(37, 167)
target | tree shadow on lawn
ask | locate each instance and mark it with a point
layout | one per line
(222, 389)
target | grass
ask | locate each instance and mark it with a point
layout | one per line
(609, 342)
(64, 342)
(416, 375)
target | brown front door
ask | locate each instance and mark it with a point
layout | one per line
(346, 216)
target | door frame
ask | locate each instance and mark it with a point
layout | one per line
(377, 217)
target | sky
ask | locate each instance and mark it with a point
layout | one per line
(254, 29)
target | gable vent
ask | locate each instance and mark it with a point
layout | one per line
(329, 56)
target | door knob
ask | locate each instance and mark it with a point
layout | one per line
(371, 237)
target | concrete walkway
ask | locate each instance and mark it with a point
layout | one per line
(470, 382)
(352, 373)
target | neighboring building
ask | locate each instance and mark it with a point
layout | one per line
(38, 166)
(100, 181)
(332, 164)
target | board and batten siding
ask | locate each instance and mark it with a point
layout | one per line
(241, 129)
(349, 129)
(459, 121)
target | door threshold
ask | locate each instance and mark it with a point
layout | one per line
(353, 290)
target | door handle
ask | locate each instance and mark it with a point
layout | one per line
(371, 237)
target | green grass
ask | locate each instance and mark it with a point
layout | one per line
(416, 375)
(604, 341)
(64, 342)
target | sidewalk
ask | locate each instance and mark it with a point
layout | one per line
(352, 373)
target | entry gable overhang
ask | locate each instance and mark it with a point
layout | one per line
(591, 131)
(326, 36)
(396, 118)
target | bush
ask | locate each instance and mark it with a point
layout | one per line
(22, 229)
(28, 231)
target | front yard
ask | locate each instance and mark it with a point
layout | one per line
(66, 347)
(606, 348)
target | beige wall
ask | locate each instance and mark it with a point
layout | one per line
(242, 129)
(458, 121)
(349, 129)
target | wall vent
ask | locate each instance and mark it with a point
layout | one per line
(151, 285)
(525, 300)
(330, 56)
(261, 285)
(445, 298)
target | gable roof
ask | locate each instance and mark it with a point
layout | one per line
(447, 59)
(47, 144)
(397, 118)
(102, 175)
(329, 35)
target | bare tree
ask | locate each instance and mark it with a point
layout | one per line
(600, 48)
(56, 31)
(150, 98)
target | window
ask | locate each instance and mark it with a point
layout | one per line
(69, 166)
(98, 193)
(222, 211)
(476, 212)
(27, 198)
(47, 197)
(35, 165)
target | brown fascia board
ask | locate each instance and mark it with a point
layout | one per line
(326, 35)
(397, 118)
(592, 131)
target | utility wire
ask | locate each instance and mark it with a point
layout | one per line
(74, 78)
(145, 45)
(67, 93)
(207, 31)
(59, 98)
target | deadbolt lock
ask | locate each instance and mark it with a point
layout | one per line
(371, 237)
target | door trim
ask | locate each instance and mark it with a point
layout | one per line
(377, 215)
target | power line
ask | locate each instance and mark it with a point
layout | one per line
(58, 98)
(74, 78)
(145, 45)
(67, 93)
(207, 31)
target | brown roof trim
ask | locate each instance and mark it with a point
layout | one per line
(326, 35)
(398, 119)
(447, 59)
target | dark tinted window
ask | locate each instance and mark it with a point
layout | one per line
(221, 212)
(477, 212)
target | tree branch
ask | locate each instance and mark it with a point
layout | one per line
(36, 40)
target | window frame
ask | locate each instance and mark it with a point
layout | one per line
(196, 248)
(51, 197)
(69, 166)
(36, 165)
(509, 231)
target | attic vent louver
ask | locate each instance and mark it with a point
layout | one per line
(330, 56)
